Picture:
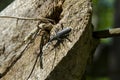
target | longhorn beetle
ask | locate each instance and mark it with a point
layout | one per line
(60, 34)
(59, 37)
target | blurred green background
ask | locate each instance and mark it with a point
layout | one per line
(103, 18)
(106, 65)
(4, 3)
(103, 13)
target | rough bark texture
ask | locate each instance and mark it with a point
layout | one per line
(67, 61)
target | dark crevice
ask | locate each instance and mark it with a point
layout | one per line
(57, 10)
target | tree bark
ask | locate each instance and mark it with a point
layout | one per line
(67, 61)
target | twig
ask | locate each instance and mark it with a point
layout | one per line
(26, 18)
(33, 67)
(44, 33)
(107, 33)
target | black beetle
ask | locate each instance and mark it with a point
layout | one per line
(60, 34)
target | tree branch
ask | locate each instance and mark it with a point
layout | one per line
(107, 33)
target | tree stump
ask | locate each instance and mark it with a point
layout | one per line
(66, 61)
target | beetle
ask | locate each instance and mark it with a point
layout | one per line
(60, 34)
